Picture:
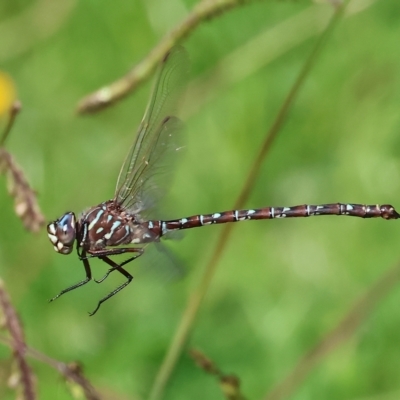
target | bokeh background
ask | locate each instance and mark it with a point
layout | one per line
(281, 285)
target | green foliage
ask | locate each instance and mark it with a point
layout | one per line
(281, 285)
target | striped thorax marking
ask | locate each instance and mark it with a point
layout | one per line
(96, 219)
(114, 226)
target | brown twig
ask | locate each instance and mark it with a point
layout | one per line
(107, 95)
(25, 203)
(72, 372)
(25, 377)
(229, 384)
(190, 313)
(14, 110)
(344, 330)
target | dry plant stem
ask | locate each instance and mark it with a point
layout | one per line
(192, 308)
(203, 362)
(344, 330)
(14, 110)
(107, 95)
(17, 343)
(26, 206)
(69, 371)
(229, 384)
(25, 203)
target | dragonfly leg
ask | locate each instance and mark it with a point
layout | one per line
(79, 284)
(117, 267)
(112, 252)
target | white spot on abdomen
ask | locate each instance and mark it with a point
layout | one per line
(164, 229)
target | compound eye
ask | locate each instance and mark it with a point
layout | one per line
(66, 229)
(62, 233)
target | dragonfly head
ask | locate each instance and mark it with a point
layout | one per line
(62, 233)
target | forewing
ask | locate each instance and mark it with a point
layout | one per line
(158, 135)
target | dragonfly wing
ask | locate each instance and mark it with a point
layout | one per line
(158, 134)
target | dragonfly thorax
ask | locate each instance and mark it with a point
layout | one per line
(62, 233)
(109, 225)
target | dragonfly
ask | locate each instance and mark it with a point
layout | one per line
(118, 226)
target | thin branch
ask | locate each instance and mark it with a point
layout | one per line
(17, 343)
(190, 313)
(25, 203)
(344, 330)
(72, 372)
(229, 384)
(109, 94)
(205, 10)
(14, 110)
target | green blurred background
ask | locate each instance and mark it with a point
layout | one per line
(282, 284)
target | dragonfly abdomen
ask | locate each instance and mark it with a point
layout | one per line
(385, 211)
